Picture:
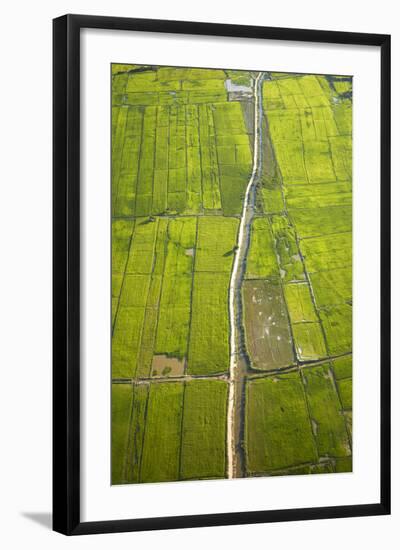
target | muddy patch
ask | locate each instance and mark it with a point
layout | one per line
(268, 337)
(162, 365)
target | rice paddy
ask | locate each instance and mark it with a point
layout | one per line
(183, 153)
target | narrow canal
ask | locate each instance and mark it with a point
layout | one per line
(238, 359)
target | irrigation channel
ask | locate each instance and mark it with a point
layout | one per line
(238, 364)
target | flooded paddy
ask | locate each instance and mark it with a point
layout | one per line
(162, 365)
(268, 337)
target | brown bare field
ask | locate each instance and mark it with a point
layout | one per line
(266, 322)
(162, 365)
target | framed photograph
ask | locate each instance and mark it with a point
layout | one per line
(221, 274)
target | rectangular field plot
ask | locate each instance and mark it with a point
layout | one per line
(262, 261)
(134, 290)
(337, 323)
(300, 306)
(169, 431)
(278, 428)
(144, 187)
(174, 316)
(122, 395)
(233, 182)
(147, 343)
(343, 367)
(307, 333)
(119, 126)
(203, 429)
(318, 161)
(136, 283)
(328, 252)
(209, 329)
(234, 155)
(141, 251)
(162, 437)
(121, 242)
(121, 237)
(126, 341)
(291, 161)
(332, 287)
(125, 167)
(268, 338)
(341, 148)
(321, 195)
(136, 432)
(209, 160)
(287, 250)
(345, 388)
(309, 341)
(311, 222)
(193, 159)
(326, 414)
(174, 312)
(216, 238)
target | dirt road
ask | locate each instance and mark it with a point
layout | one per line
(238, 359)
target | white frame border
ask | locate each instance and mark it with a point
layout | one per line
(100, 501)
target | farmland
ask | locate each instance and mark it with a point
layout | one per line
(166, 431)
(231, 274)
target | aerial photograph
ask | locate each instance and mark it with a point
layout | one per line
(231, 295)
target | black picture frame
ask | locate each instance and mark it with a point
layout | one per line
(66, 273)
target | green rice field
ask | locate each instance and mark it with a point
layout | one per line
(183, 148)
